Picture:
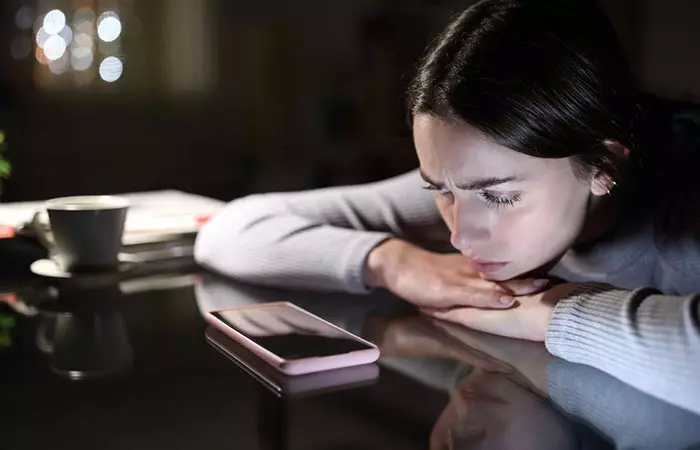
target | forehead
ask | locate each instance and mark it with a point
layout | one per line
(457, 148)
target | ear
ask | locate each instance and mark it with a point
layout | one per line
(601, 183)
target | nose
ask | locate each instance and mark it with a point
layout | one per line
(468, 228)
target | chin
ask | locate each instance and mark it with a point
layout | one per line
(502, 275)
(498, 277)
(509, 272)
(526, 272)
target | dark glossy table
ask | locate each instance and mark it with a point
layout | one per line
(124, 364)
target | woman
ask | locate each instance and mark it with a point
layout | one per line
(536, 154)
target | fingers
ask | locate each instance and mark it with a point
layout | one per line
(525, 287)
(489, 294)
(496, 298)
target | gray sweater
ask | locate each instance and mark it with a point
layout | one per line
(320, 239)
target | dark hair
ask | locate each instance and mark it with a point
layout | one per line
(549, 79)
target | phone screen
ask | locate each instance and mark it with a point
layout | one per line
(289, 332)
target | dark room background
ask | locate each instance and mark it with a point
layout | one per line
(227, 97)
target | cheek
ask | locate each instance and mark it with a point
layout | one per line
(543, 227)
(546, 227)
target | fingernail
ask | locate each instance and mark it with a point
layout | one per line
(506, 300)
(540, 283)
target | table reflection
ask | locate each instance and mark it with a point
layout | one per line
(503, 393)
(439, 385)
(82, 332)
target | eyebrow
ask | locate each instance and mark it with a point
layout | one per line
(475, 185)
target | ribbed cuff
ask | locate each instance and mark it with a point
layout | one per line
(583, 322)
(356, 260)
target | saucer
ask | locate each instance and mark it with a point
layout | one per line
(50, 268)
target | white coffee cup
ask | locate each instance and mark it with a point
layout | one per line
(86, 231)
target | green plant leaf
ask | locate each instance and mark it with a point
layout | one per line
(5, 168)
(2, 137)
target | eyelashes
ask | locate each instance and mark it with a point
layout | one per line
(442, 191)
(492, 200)
(499, 200)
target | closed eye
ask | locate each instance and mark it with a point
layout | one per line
(443, 191)
(500, 200)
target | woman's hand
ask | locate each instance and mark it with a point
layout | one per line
(436, 280)
(528, 319)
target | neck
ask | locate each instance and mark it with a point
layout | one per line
(601, 219)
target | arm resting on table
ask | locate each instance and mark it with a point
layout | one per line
(316, 239)
(648, 340)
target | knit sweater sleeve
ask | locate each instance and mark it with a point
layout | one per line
(648, 340)
(317, 239)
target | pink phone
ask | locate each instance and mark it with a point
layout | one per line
(298, 386)
(291, 339)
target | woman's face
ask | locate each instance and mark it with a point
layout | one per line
(491, 411)
(509, 213)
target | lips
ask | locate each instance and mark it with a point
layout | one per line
(487, 266)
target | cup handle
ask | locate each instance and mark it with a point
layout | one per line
(43, 235)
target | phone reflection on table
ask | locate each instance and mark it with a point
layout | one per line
(292, 386)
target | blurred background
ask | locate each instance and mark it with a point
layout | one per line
(226, 97)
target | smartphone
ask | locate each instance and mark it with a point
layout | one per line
(291, 386)
(291, 339)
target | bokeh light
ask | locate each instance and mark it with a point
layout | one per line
(54, 47)
(83, 40)
(58, 66)
(40, 57)
(84, 21)
(81, 58)
(70, 44)
(109, 27)
(54, 21)
(84, 14)
(41, 37)
(24, 19)
(111, 69)
(67, 34)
